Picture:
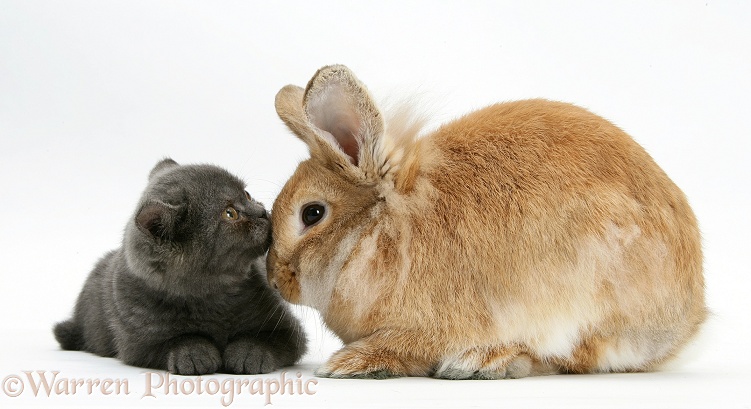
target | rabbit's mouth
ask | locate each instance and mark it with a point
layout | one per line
(282, 277)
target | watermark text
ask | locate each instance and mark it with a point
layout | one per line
(158, 384)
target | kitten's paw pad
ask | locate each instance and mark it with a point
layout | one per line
(197, 358)
(249, 358)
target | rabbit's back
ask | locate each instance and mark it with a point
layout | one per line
(578, 241)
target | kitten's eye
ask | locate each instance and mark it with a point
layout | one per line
(247, 195)
(230, 214)
(312, 214)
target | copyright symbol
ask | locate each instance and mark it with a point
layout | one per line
(13, 386)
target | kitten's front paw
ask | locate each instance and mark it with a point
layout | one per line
(194, 357)
(248, 358)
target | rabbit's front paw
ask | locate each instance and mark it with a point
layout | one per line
(491, 363)
(360, 361)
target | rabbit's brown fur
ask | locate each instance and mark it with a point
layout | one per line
(526, 238)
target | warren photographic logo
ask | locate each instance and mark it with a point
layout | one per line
(158, 384)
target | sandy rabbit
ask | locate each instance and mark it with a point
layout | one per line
(526, 238)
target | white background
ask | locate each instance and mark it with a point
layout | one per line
(93, 94)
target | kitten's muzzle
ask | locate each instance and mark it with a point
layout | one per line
(256, 211)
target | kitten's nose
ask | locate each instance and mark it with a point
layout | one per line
(257, 211)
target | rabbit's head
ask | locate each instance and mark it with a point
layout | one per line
(336, 196)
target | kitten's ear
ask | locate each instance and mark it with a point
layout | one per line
(158, 220)
(163, 164)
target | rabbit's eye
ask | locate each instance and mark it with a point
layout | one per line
(230, 214)
(312, 214)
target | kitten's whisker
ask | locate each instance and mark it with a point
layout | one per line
(268, 317)
(278, 321)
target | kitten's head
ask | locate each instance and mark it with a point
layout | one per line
(196, 230)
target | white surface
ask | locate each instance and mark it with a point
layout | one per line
(93, 93)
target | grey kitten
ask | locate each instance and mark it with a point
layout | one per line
(186, 292)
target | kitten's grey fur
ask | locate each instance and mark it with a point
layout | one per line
(186, 292)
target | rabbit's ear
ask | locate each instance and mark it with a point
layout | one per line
(289, 107)
(342, 110)
(338, 120)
